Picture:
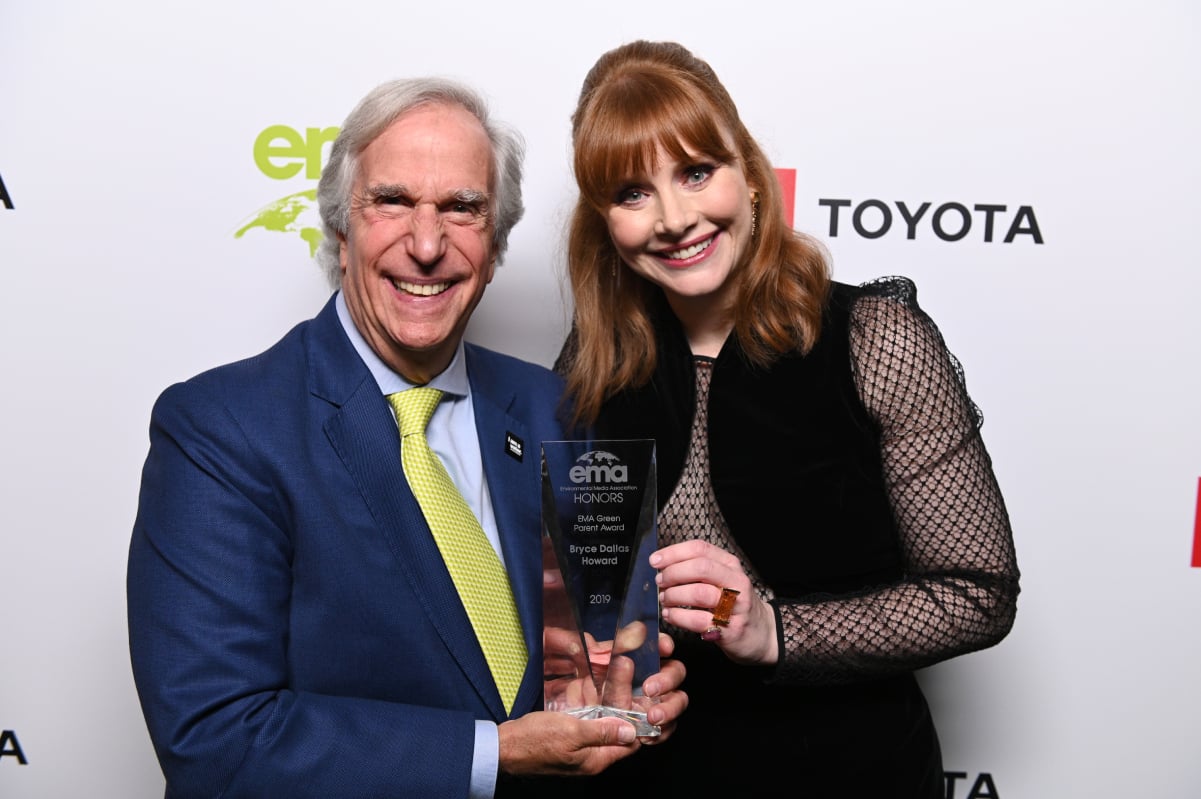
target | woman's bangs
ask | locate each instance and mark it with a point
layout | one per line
(624, 144)
(606, 161)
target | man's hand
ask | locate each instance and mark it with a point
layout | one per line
(552, 743)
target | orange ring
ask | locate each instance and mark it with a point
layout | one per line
(725, 606)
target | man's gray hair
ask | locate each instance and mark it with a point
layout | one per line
(374, 113)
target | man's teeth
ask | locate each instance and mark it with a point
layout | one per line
(421, 289)
(688, 252)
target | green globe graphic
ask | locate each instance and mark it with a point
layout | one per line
(295, 214)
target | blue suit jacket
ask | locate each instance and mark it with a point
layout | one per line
(293, 629)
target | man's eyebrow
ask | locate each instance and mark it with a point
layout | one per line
(379, 190)
(392, 190)
(471, 196)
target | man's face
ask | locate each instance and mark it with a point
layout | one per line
(419, 251)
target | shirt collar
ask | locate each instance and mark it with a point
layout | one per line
(452, 380)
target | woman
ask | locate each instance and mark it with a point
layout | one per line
(819, 457)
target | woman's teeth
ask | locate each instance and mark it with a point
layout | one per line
(688, 252)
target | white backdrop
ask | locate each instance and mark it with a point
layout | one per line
(127, 133)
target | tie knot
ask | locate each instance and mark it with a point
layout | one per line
(414, 407)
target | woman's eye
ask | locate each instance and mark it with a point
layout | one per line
(698, 173)
(630, 196)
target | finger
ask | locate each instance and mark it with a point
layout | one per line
(689, 618)
(675, 553)
(559, 667)
(619, 684)
(702, 571)
(610, 732)
(667, 708)
(560, 641)
(579, 693)
(697, 595)
(669, 677)
(693, 549)
(630, 637)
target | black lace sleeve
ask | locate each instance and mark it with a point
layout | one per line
(959, 591)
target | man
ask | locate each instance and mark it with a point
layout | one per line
(294, 629)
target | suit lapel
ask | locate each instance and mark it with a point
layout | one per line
(514, 486)
(363, 435)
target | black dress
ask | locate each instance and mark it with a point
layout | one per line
(854, 485)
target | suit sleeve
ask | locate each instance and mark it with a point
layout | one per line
(209, 582)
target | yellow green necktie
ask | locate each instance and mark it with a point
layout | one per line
(478, 574)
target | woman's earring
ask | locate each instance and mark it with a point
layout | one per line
(754, 214)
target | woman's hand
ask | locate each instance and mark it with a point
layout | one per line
(691, 576)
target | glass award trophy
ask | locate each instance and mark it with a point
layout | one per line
(600, 603)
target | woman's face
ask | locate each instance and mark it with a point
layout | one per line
(684, 227)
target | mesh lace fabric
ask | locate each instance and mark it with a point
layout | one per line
(961, 577)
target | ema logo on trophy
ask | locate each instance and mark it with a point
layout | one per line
(600, 604)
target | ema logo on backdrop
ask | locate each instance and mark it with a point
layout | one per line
(282, 153)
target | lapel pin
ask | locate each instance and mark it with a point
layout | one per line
(514, 446)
